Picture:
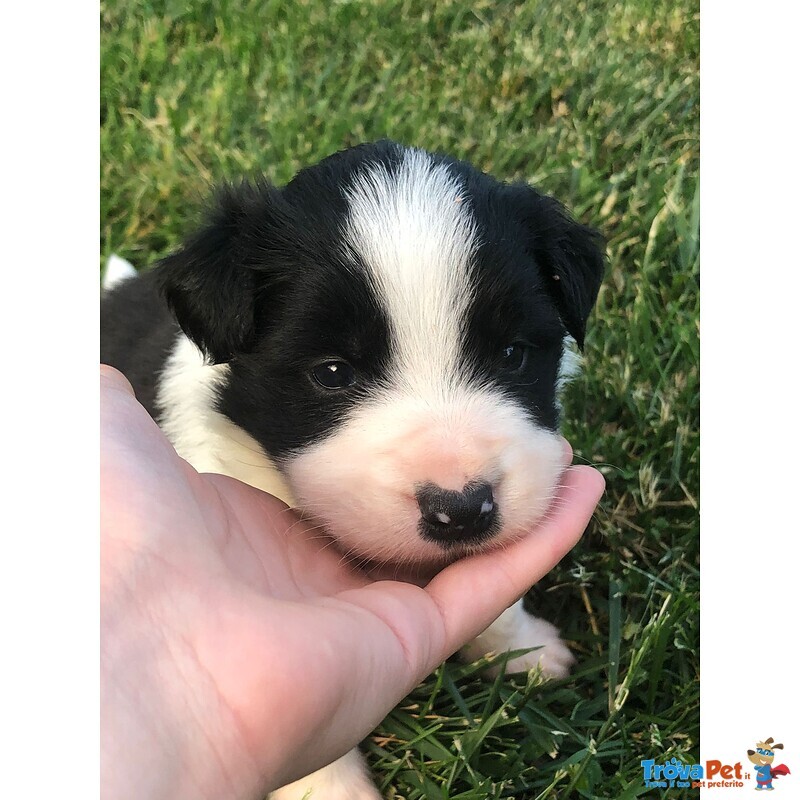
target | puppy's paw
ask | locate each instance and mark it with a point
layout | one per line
(325, 790)
(344, 779)
(552, 655)
(515, 629)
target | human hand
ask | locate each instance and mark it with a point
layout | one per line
(239, 651)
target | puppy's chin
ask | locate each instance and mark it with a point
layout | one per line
(426, 561)
(394, 552)
(420, 571)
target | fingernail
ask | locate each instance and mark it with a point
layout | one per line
(567, 451)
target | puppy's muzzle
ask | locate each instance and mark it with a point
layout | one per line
(450, 517)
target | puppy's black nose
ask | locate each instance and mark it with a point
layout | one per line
(452, 516)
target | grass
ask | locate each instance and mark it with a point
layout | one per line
(595, 102)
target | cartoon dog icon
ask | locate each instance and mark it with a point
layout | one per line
(762, 757)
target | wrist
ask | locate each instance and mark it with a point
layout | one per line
(165, 733)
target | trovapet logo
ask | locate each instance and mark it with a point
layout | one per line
(671, 775)
(762, 758)
(716, 774)
(675, 774)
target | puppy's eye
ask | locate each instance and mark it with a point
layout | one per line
(334, 375)
(514, 357)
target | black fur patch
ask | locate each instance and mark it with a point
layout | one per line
(137, 333)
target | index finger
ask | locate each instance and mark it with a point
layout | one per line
(112, 378)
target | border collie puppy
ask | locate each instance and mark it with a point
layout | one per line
(381, 343)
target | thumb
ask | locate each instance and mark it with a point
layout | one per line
(113, 379)
(472, 593)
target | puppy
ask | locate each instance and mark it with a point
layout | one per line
(381, 343)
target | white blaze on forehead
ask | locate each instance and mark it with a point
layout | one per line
(415, 233)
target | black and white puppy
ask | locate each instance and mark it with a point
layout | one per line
(381, 343)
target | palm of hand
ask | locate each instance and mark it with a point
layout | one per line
(234, 603)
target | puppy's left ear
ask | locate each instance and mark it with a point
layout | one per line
(214, 281)
(570, 255)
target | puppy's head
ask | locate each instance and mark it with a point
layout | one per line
(395, 328)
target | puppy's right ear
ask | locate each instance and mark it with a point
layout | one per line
(212, 281)
(570, 255)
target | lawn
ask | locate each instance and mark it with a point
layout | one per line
(595, 102)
